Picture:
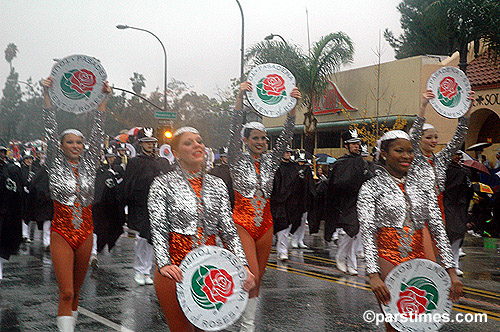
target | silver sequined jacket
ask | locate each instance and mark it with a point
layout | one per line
(63, 182)
(381, 203)
(173, 207)
(432, 176)
(241, 164)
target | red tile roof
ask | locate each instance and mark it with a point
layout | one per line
(484, 71)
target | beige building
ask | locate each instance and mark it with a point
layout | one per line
(395, 90)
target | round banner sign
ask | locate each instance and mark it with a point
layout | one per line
(451, 87)
(211, 292)
(78, 82)
(130, 150)
(272, 85)
(419, 296)
(166, 152)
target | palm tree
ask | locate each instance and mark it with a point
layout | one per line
(312, 71)
(10, 53)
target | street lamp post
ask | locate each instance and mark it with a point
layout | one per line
(242, 57)
(271, 36)
(122, 27)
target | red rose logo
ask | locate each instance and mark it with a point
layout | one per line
(448, 87)
(412, 302)
(218, 286)
(274, 85)
(82, 81)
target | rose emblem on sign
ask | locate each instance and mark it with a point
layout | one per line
(418, 296)
(77, 84)
(271, 89)
(449, 92)
(211, 287)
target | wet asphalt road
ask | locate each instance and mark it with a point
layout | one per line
(307, 293)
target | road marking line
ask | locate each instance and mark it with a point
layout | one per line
(456, 306)
(103, 320)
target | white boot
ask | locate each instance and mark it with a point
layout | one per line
(66, 323)
(248, 317)
(74, 313)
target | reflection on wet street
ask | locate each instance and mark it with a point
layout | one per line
(305, 293)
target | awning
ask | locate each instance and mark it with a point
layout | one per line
(326, 126)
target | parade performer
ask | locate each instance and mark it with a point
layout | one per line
(252, 172)
(308, 191)
(40, 204)
(456, 198)
(221, 170)
(286, 198)
(393, 208)
(348, 173)
(28, 170)
(140, 172)
(11, 185)
(108, 212)
(188, 208)
(122, 157)
(431, 168)
(71, 179)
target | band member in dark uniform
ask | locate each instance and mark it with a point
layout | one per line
(221, 170)
(346, 177)
(107, 211)
(140, 172)
(10, 207)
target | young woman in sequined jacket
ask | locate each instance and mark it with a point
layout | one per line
(393, 209)
(431, 167)
(188, 208)
(252, 172)
(71, 173)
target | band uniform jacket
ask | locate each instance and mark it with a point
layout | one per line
(140, 172)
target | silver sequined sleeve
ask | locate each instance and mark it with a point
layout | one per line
(49, 119)
(443, 157)
(227, 230)
(416, 135)
(96, 136)
(234, 144)
(157, 207)
(283, 140)
(368, 228)
(436, 227)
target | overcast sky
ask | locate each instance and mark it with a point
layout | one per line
(202, 37)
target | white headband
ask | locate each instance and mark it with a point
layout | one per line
(71, 131)
(252, 125)
(183, 130)
(390, 135)
(427, 126)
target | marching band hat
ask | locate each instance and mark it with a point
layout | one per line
(121, 147)
(3, 148)
(302, 156)
(146, 135)
(109, 152)
(350, 136)
(27, 154)
(223, 151)
(364, 150)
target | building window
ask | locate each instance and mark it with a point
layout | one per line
(328, 139)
